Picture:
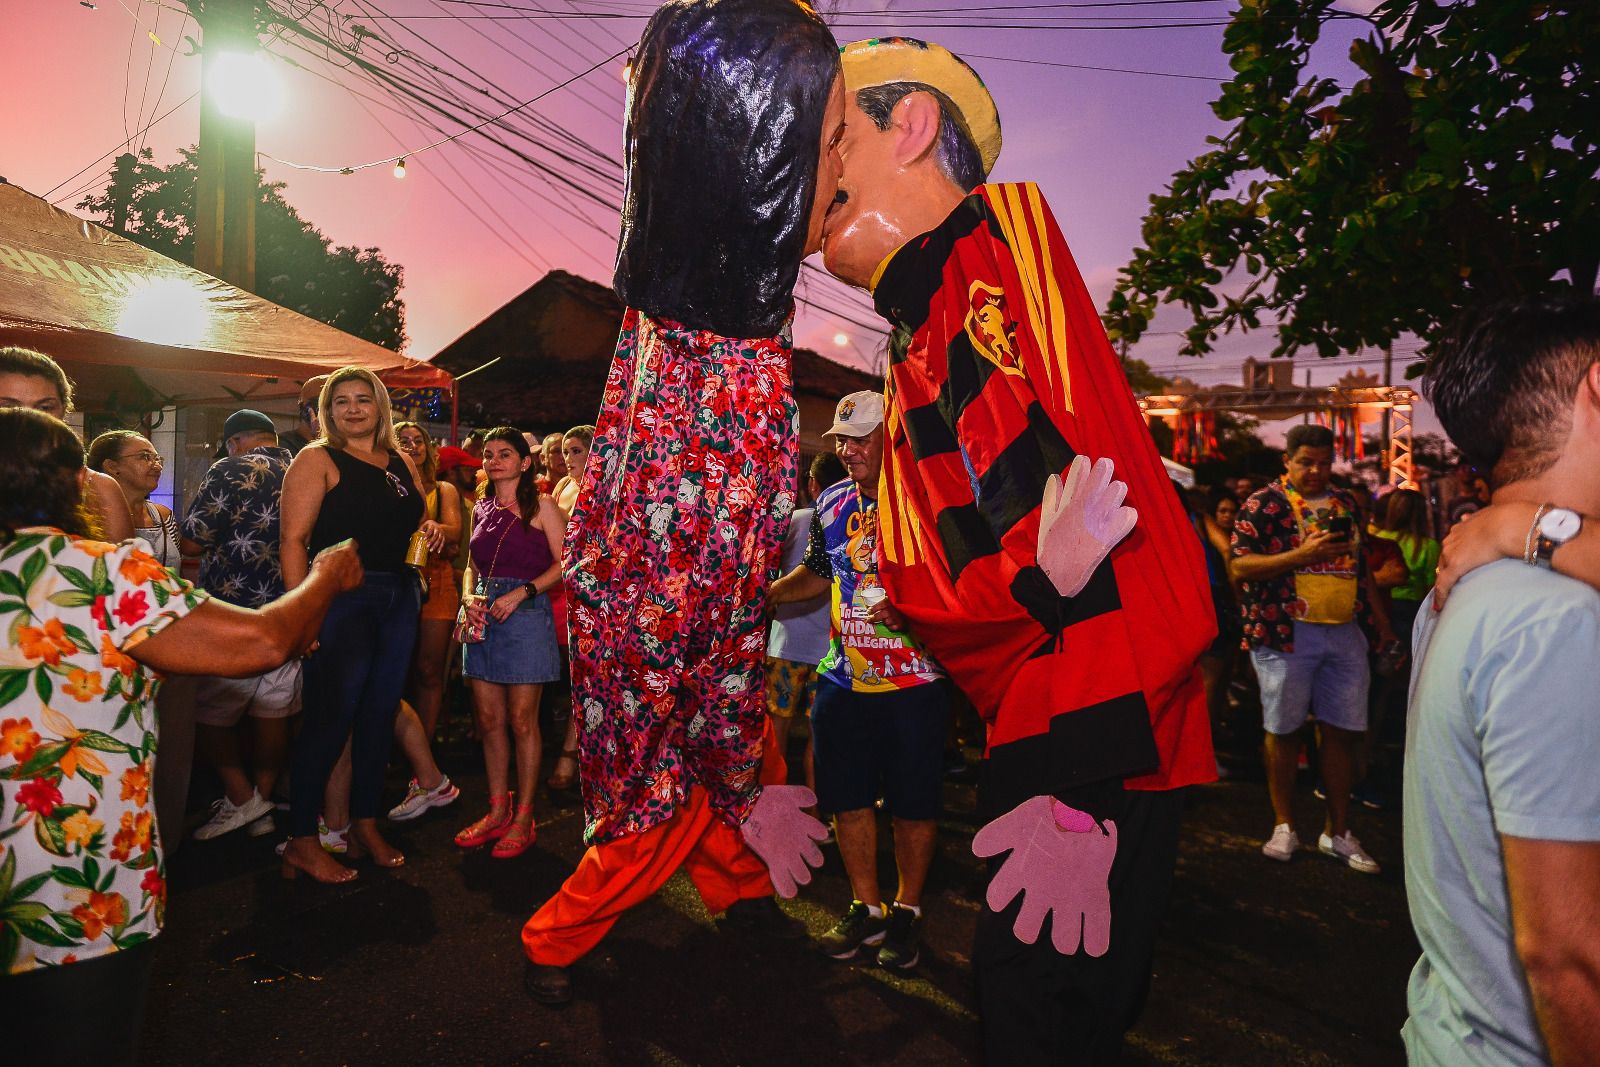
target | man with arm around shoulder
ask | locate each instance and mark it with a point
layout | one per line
(1502, 831)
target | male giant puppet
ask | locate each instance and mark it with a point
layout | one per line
(1000, 375)
(734, 115)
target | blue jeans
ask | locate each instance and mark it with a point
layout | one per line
(352, 689)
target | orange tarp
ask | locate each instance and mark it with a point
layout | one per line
(126, 321)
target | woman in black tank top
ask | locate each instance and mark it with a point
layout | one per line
(352, 484)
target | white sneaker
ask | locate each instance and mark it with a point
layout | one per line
(1345, 847)
(336, 842)
(1284, 844)
(226, 816)
(262, 826)
(419, 800)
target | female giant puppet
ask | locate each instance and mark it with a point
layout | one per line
(735, 111)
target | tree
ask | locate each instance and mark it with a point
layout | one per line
(1461, 166)
(354, 289)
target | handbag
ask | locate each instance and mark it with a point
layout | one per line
(467, 632)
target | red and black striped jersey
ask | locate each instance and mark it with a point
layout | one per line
(1000, 373)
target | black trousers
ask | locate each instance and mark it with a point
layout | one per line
(85, 1012)
(1041, 1007)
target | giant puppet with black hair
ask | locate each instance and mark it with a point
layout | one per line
(735, 110)
(1074, 622)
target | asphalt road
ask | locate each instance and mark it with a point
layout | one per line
(1259, 963)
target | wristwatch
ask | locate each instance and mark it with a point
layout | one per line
(531, 588)
(1552, 528)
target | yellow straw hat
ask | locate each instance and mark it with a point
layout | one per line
(882, 60)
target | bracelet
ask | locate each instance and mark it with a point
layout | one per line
(1530, 546)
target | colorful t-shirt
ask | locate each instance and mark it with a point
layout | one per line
(234, 517)
(862, 656)
(1266, 526)
(1327, 590)
(81, 868)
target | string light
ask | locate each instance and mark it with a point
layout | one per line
(400, 167)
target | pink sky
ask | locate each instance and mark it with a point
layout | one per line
(1099, 143)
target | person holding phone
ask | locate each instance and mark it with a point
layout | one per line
(1303, 586)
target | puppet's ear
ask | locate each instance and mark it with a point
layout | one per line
(916, 125)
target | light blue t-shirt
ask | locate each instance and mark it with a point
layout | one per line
(1503, 738)
(800, 630)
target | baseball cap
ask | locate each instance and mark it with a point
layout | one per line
(858, 414)
(882, 60)
(312, 389)
(451, 456)
(247, 420)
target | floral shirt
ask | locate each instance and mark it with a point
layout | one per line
(234, 517)
(1267, 526)
(677, 532)
(81, 869)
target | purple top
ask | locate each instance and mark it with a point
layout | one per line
(524, 554)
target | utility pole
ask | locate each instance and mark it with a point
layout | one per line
(225, 197)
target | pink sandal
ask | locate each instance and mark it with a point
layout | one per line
(491, 827)
(516, 840)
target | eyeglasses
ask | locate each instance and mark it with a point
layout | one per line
(397, 485)
(145, 456)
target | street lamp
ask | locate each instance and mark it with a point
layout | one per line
(244, 86)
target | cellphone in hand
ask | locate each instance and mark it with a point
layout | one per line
(1342, 527)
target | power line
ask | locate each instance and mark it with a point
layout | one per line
(1089, 66)
(351, 168)
(125, 142)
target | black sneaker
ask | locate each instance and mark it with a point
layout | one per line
(902, 941)
(858, 927)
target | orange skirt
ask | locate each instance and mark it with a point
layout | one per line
(444, 594)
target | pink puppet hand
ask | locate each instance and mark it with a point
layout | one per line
(1080, 522)
(784, 836)
(1060, 861)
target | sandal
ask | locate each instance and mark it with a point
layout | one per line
(519, 838)
(491, 827)
(560, 783)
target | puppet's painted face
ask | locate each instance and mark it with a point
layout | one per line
(830, 166)
(860, 232)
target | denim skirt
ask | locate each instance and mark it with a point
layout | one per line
(519, 651)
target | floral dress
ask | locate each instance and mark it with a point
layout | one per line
(677, 532)
(81, 870)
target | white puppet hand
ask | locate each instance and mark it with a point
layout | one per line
(1061, 864)
(1080, 522)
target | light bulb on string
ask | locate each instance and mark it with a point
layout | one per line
(400, 167)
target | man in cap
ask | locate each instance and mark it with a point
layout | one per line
(879, 714)
(309, 429)
(232, 525)
(1081, 658)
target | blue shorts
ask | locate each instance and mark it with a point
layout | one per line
(519, 651)
(1326, 675)
(881, 744)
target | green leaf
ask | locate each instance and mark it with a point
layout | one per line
(25, 909)
(42, 933)
(51, 837)
(71, 598)
(100, 578)
(43, 757)
(102, 742)
(43, 685)
(32, 567)
(12, 586)
(13, 683)
(8, 871)
(29, 886)
(70, 876)
(75, 577)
